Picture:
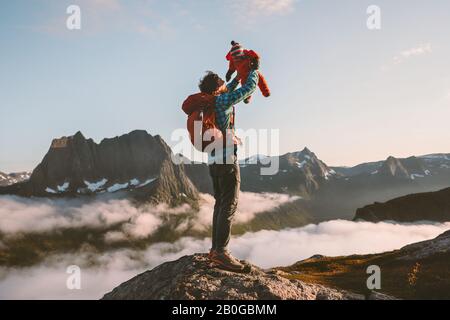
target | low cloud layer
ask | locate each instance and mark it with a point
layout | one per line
(22, 215)
(249, 205)
(332, 238)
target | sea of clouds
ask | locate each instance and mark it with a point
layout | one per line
(24, 215)
(101, 272)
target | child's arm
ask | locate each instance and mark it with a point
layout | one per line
(231, 70)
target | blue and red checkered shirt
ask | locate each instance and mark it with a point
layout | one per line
(225, 107)
(226, 101)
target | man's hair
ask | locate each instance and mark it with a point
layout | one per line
(210, 82)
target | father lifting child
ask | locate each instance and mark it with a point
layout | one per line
(211, 127)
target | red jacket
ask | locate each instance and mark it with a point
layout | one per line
(239, 60)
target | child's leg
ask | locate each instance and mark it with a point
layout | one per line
(263, 86)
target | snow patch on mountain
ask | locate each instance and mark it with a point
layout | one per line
(63, 187)
(117, 187)
(94, 186)
(147, 182)
(50, 190)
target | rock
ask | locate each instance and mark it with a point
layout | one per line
(191, 278)
(427, 249)
(380, 296)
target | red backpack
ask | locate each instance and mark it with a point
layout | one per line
(201, 118)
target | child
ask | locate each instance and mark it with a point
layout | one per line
(240, 59)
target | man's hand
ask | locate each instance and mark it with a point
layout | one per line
(254, 63)
(228, 75)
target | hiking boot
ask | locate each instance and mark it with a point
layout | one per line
(225, 260)
(211, 253)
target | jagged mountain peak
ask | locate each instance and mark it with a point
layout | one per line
(408, 168)
(394, 168)
(304, 153)
(298, 172)
(79, 135)
(307, 160)
(307, 151)
(136, 160)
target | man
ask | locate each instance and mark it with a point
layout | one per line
(223, 165)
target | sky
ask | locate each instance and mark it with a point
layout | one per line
(348, 93)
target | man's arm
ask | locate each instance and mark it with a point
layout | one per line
(231, 86)
(229, 99)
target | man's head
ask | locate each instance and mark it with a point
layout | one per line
(211, 83)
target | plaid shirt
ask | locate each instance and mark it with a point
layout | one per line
(226, 101)
(225, 110)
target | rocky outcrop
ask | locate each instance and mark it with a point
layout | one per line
(416, 271)
(137, 162)
(192, 278)
(432, 206)
(427, 249)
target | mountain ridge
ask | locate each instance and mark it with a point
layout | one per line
(7, 179)
(430, 206)
(141, 164)
(136, 162)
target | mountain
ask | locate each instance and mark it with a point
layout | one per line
(299, 173)
(381, 181)
(137, 162)
(416, 271)
(198, 173)
(192, 278)
(303, 173)
(142, 165)
(12, 178)
(337, 192)
(432, 206)
(412, 167)
(368, 167)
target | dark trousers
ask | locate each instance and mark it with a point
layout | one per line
(226, 182)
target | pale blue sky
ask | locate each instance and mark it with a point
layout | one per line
(349, 94)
